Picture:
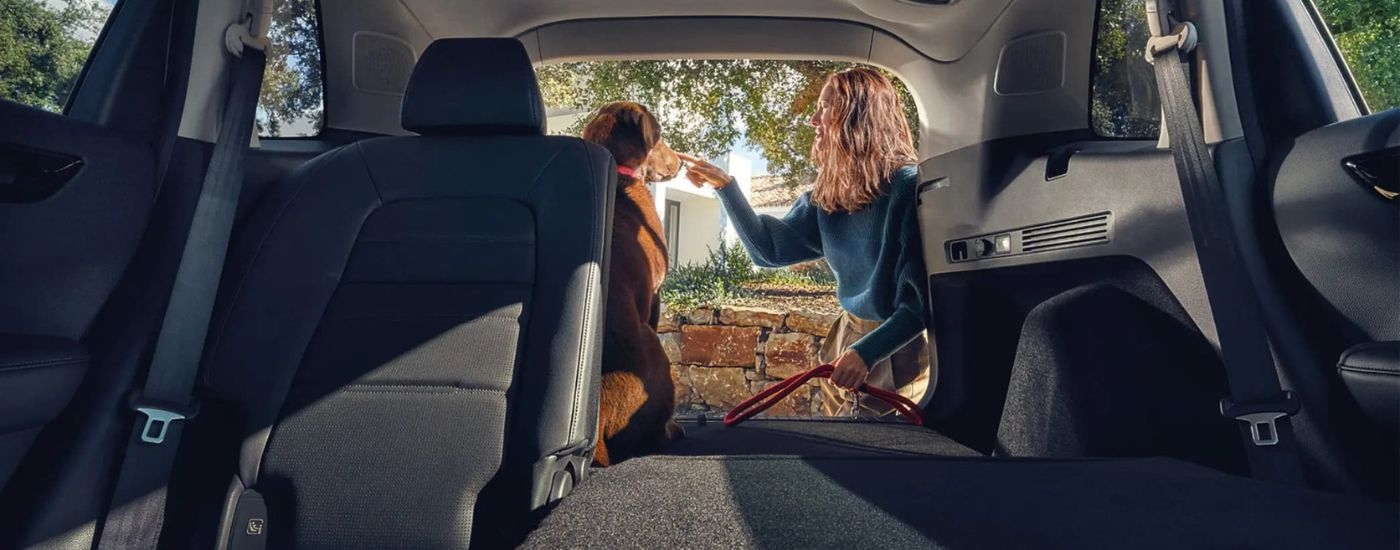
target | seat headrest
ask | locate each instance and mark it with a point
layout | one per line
(474, 86)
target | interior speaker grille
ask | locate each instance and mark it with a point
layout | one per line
(1071, 233)
(383, 63)
(1031, 64)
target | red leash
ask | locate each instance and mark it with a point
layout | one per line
(772, 394)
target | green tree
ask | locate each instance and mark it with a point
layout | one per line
(1368, 34)
(43, 48)
(706, 106)
(291, 87)
(1124, 100)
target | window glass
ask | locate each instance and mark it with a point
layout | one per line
(750, 117)
(43, 46)
(1124, 97)
(291, 104)
(710, 107)
(1367, 33)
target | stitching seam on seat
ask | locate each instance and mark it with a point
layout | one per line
(534, 182)
(277, 417)
(425, 282)
(584, 341)
(26, 365)
(419, 388)
(427, 240)
(369, 173)
(1368, 370)
(234, 299)
(462, 316)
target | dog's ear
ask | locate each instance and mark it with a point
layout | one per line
(637, 116)
(634, 115)
(626, 129)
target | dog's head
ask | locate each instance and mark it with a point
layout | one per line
(633, 136)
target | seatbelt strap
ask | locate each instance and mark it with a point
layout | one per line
(1256, 398)
(137, 509)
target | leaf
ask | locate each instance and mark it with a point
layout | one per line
(707, 106)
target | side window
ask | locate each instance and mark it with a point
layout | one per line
(1124, 89)
(43, 46)
(1367, 33)
(291, 104)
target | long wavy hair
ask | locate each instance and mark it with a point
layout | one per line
(866, 140)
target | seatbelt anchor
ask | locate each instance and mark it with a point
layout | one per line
(1183, 38)
(1262, 416)
(159, 417)
(251, 29)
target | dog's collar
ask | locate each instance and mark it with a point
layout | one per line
(626, 171)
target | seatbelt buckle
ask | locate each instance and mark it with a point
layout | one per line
(159, 417)
(1262, 416)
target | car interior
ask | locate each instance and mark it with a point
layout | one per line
(387, 333)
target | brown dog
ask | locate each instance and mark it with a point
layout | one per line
(639, 398)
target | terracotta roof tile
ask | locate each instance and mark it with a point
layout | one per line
(771, 192)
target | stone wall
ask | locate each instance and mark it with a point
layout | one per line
(721, 356)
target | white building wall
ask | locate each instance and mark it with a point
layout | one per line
(741, 168)
(700, 227)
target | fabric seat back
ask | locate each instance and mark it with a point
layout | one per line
(410, 320)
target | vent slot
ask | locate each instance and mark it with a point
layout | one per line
(1076, 232)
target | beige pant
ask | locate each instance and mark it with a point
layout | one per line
(908, 371)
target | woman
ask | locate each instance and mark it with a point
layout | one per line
(860, 216)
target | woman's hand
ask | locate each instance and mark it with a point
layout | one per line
(702, 173)
(851, 370)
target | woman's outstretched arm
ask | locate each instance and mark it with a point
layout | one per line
(771, 242)
(774, 242)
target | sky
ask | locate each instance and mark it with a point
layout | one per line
(84, 34)
(760, 166)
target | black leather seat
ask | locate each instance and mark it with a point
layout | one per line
(410, 320)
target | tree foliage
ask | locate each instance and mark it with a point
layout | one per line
(291, 87)
(1368, 34)
(707, 106)
(43, 48)
(1124, 102)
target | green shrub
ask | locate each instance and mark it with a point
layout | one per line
(733, 265)
(816, 272)
(718, 279)
(726, 271)
(692, 286)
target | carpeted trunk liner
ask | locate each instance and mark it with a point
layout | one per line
(950, 502)
(814, 438)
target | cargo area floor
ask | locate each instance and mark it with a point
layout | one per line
(775, 484)
(814, 438)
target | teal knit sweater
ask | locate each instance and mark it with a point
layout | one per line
(875, 252)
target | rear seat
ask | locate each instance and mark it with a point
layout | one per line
(407, 340)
